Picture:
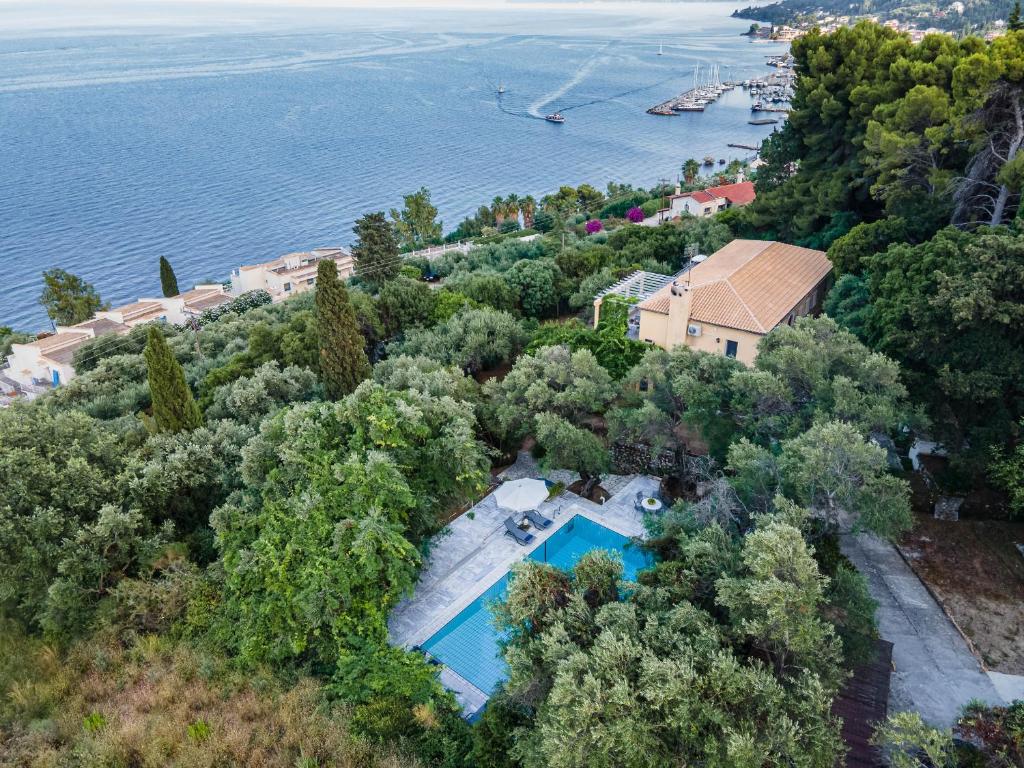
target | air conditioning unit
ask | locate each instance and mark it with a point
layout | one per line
(693, 330)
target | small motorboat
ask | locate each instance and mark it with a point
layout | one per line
(501, 89)
(555, 117)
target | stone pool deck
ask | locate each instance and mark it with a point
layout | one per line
(473, 552)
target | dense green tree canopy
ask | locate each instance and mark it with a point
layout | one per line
(67, 298)
(553, 379)
(417, 223)
(538, 284)
(649, 679)
(174, 409)
(168, 280)
(343, 362)
(951, 311)
(474, 340)
(376, 250)
(404, 303)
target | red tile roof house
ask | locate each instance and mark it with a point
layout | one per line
(707, 202)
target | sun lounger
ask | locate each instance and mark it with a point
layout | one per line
(511, 529)
(538, 520)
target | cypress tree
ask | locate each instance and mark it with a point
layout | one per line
(1014, 22)
(174, 410)
(343, 362)
(168, 280)
(376, 250)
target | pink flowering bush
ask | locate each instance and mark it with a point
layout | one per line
(594, 225)
(635, 214)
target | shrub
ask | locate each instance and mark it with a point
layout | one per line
(245, 302)
(94, 722)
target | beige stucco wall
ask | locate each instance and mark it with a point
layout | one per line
(654, 328)
(669, 330)
(713, 338)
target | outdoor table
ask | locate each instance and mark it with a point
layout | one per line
(651, 504)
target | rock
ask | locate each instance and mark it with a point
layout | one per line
(948, 508)
(886, 443)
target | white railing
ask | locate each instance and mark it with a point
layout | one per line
(463, 246)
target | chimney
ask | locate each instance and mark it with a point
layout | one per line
(680, 298)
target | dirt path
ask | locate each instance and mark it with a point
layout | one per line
(976, 571)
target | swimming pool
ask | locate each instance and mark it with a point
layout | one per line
(468, 644)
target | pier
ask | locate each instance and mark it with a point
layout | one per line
(705, 91)
(771, 93)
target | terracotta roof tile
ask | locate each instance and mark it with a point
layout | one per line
(658, 302)
(61, 339)
(750, 285)
(102, 325)
(740, 193)
(207, 300)
(139, 309)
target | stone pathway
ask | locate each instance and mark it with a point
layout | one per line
(935, 673)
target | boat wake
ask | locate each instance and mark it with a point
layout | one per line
(581, 74)
(630, 92)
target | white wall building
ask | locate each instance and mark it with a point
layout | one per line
(46, 362)
(291, 274)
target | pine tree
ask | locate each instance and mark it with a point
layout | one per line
(1014, 22)
(343, 362)
(168, 280)
(174, 410)
(376, 250)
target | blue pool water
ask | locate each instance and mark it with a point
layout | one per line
(468, 644)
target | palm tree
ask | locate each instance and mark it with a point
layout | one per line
(528, 206)
(690, 170)
(498, 209)
(512, 206)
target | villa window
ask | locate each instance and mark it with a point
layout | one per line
(731, 348)
(287, 286)
(311, 281)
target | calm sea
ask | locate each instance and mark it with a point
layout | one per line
(234, 139)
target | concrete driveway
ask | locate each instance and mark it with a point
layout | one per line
(935, 673)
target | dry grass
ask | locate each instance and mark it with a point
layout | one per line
(140, 703)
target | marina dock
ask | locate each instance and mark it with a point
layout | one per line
(707, 88)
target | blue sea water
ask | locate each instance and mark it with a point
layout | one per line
(230, 141)
(468, 643)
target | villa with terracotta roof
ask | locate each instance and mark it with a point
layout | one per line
(290, 274)
(707, 202)
(729, 301)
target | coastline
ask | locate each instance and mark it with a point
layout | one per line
(185, 185)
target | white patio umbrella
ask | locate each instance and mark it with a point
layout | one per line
(521, 495)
